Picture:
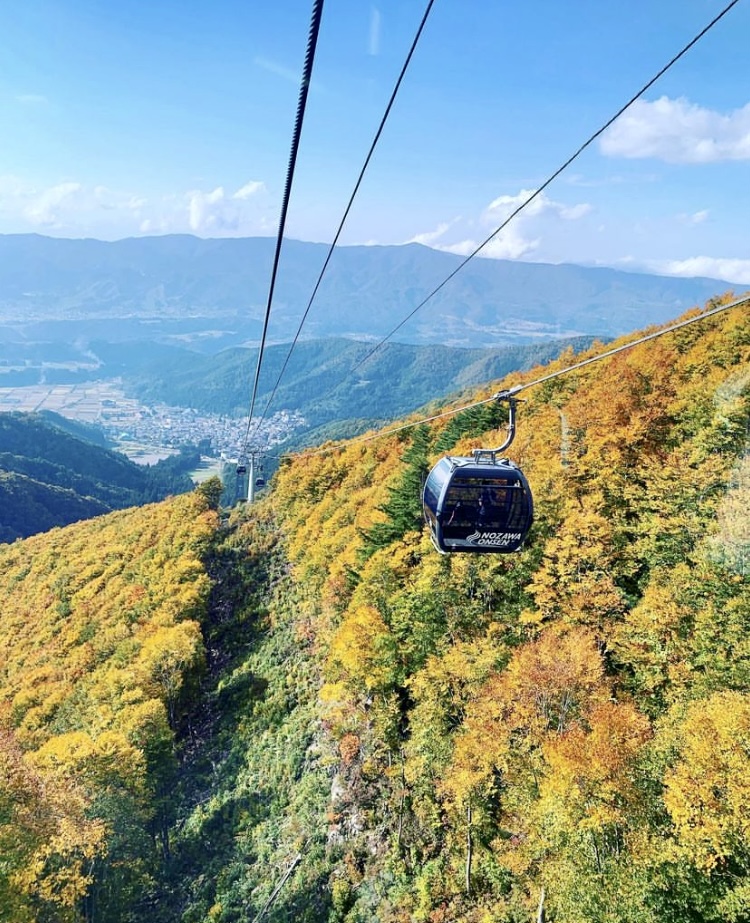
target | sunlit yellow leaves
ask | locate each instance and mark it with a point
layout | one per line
(652, 637)
(47, 839)
(515, 688)
(362, 649)
(100, 634)
(166, 656)
(72, 626)
(547, 685)
(689, 632)
(96, 763)
(442, 691)
(707, 791)
(575, 581)
(550, 681)
(59, 871)
(588, 775)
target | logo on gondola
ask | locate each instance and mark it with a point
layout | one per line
(493, 538)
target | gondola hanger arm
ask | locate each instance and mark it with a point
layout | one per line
(506, 395)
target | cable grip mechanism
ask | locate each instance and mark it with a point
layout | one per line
(490, 455)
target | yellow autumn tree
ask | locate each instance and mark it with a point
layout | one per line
(707, 790)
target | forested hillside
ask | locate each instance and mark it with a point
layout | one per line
(318, 381)
(101, 638)
(304, 713)
(52, 474)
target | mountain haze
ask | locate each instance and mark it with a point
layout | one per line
(212, 293)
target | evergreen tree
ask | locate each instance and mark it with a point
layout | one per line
(404, 506)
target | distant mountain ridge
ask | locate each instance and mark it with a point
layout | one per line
(212, 293)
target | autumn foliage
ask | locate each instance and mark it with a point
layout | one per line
(571, 719)
(100, 623)
(439, 738)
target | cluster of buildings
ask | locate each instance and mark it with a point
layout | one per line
(147, 433)
(170, 427)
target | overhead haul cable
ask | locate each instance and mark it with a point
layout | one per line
(530, 384)
(549, 180)
(312, 40)
(368, 158)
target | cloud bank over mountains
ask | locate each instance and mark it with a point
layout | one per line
(643, 219)
(518, 239)
(74, 209)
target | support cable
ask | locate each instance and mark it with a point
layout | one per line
(375, 141)
(277, 890)
(312, 40)
(511, 392)
(550, 179)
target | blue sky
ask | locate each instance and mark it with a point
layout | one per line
(134, 118)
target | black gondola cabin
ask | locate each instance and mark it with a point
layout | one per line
(478, 504)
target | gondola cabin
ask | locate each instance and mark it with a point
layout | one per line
(480, 504)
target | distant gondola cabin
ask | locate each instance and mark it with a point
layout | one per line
(478, 504)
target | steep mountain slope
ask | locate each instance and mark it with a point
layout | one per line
(29, 506)
(572, 721)
(101, 640)
(352, 727)
(52, 475)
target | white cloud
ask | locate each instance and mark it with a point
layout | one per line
(574, 212)
(217, 213)
(203, 211)
(521, 236)
(733, 270)
(696, 218)
(678, 131)
(430, 237)
(48, 208)
(508, 245)
(249, 189)
(112, 200)
(77, 209)
(504, 206)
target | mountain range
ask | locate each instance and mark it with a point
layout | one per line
(330, 379)
(210, 294)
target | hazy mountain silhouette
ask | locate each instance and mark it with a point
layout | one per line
(210, 294)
